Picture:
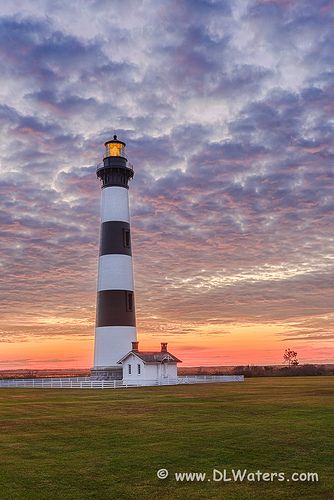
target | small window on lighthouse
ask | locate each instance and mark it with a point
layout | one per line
(139, 369)
(129, 301)
(129, 366)
(126, 238)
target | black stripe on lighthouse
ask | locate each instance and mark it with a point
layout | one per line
(115, 238)
(115, 308)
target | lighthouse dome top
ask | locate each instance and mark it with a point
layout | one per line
(115, 147)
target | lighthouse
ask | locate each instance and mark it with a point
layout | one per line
(115, 307)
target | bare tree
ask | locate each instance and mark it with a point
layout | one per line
(290, 357)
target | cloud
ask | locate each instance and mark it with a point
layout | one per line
(227, 112)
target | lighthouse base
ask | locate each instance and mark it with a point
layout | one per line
(107, 373)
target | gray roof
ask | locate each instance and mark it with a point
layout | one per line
(153, 357)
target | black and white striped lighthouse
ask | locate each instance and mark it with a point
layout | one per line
(115, 309)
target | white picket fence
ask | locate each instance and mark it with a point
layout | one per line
(209, 379)
(88, 383)
(63, 383)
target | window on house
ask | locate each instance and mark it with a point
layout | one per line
(129, 366)
(126, 238)
(139, 367)
(129, 301)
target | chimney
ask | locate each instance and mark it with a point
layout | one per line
(164, 346)
(135, 346)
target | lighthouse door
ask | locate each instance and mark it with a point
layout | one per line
(164, 370)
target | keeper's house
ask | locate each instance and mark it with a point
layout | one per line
(145, 367)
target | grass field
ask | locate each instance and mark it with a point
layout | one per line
(85, 444)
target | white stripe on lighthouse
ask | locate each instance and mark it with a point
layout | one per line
(115, 272)
(115, 204)
(111, 343)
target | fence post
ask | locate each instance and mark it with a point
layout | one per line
(102, 383)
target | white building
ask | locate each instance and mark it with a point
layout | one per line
(147, 367)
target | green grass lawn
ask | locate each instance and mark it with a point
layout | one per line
(109, 444)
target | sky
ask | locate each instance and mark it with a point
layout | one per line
(227, 111)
